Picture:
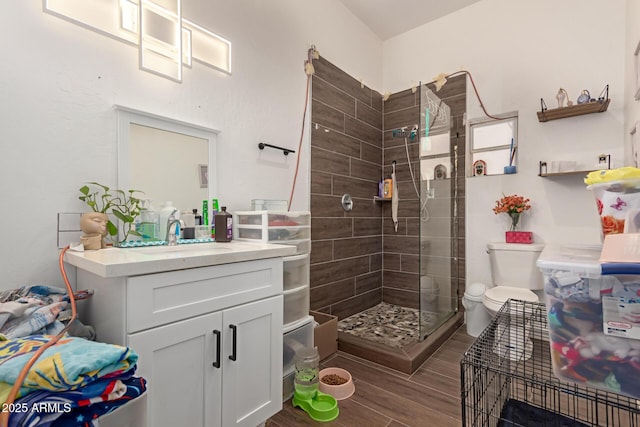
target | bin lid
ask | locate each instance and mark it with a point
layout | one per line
(620, 268)
(475, 290)
(583, 260)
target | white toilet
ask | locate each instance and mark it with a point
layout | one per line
(515, 275)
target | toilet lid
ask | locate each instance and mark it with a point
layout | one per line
(501, 294)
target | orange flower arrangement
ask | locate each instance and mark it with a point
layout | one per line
(513, 206)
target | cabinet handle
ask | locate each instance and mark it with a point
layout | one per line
(216, 364)
(234, 333)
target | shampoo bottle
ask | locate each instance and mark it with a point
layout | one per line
(388, 187)
(224, 226)
(205, 212)
(214, 212)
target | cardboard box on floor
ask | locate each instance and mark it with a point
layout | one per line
(325, 335)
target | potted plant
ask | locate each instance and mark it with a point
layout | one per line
(125, 206)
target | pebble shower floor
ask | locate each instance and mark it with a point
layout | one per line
(503, 384)
(388, 324)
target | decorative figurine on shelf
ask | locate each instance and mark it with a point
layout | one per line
(584, 97)
(94, 227)
(479, 168)
(561, 96)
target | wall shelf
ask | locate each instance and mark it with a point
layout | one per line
(542, 167)
(381, 199)
(575, 110)
(549, 175)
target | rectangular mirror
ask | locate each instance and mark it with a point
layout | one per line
(165, 159)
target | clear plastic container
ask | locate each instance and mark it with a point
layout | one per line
(262, 204)
(618, 205)
(296, 271)
(149, 226)
(291, 228)
(594, 318)
(295, 339)
(306, 379)
(296, 304)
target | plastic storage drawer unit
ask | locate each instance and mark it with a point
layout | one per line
(298, 337)
(292, 228)
(296, 304)
(296, 271)
(593, 311)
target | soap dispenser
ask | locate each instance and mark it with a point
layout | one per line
(224, 226)
(149, 225)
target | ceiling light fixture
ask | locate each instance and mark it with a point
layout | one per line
(166, 40)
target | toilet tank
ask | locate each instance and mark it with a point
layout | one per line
(514, 264)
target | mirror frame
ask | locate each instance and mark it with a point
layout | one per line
(127, 116)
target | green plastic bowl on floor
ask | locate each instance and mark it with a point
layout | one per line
(322, 407)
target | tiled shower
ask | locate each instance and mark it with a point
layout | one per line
(358, 260)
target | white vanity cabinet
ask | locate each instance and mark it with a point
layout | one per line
(209, 338)
(193, 379)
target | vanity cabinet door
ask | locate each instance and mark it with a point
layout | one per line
(177, 360)
(252, 374)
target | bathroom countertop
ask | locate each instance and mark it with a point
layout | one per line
(119, 262)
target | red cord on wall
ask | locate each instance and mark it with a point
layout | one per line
(309, 72)
(4, 415)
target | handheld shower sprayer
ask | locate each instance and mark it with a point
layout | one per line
(414, 132)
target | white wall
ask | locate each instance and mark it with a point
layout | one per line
(518, 52)
(631, 106)
(60, 82)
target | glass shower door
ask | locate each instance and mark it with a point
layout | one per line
(438, 225)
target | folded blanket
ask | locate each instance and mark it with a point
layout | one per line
(41, 305)
(46, 408)
(87, 416)
(70, 364)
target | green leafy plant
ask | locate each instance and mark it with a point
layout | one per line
(123, 205)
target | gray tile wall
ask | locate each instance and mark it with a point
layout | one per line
(357, 259)
(346, 157)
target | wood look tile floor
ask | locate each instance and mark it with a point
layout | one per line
(388, 398)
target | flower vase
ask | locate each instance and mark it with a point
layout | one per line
(515, 218)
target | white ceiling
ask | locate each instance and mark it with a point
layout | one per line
(388, 18)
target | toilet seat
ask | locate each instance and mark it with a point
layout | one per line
(495, 297)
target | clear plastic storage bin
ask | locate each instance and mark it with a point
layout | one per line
(291, 228)
(296, 304)
(296, 271)
(593, 313)
(297, 336)
(263, 205)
